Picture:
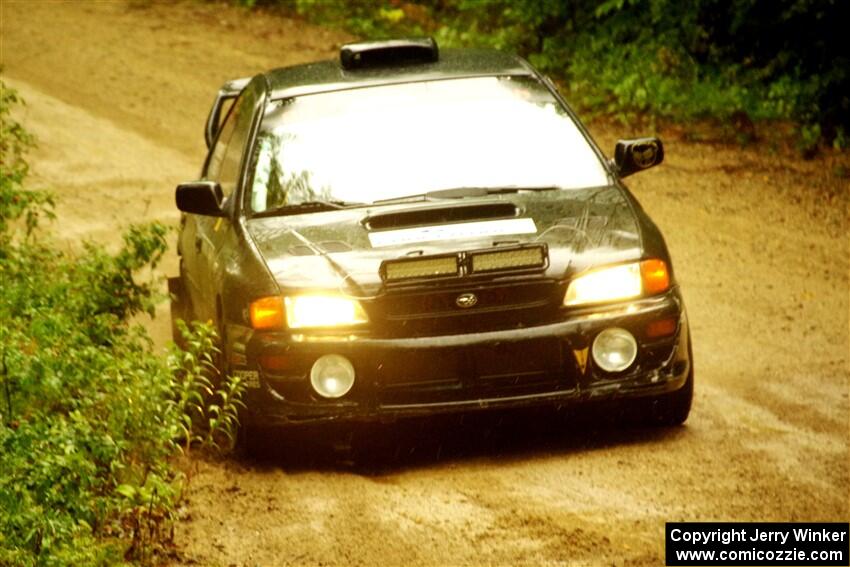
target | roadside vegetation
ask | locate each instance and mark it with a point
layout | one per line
(732, 63)
(90, 416)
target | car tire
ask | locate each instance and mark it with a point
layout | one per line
(673, 408)
(252, 441)
(181, 308)
(220, 358)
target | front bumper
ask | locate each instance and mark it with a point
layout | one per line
(399, 377)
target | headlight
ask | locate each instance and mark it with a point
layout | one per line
(617, 283)
(316, 310)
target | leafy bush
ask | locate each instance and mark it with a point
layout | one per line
(15, 202)
(89, 416)
(208, 406)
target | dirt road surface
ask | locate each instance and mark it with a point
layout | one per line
(117, 94)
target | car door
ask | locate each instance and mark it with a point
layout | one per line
(196, 228)
(214, 234)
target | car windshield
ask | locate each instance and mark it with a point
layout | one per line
(388, 142)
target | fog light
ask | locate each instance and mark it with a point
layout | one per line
(332, 376)
(614, 349)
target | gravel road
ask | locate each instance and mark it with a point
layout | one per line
(117, 94)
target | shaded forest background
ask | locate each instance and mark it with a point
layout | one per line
(732, 61)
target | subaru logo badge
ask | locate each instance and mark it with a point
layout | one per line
(466, 300)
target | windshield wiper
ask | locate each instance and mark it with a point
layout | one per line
(461, 192)
(315, 206)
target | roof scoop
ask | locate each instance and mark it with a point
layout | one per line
(370, 54)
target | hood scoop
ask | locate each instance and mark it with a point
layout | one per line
(440, 215)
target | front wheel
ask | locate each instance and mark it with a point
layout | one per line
(249, 440)
(672, 408)
(181, 308)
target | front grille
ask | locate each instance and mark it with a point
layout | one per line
(436, 311)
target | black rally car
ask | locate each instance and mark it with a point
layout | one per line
(407, 231)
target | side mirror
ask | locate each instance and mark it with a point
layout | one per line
(631, 156)
(200, 198)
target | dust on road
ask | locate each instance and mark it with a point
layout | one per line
(117, 94)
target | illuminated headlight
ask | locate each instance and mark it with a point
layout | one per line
(305, 311)
(617, 283)
(332, 376)
(614, 349)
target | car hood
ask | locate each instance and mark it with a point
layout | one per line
(344, 249)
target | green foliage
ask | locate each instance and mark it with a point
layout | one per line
(222, 413)
(85, 405)
(89, 416)
(654, 58)
(209, 415)
(15, 202)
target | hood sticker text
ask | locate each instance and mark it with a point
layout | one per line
(455, 231)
